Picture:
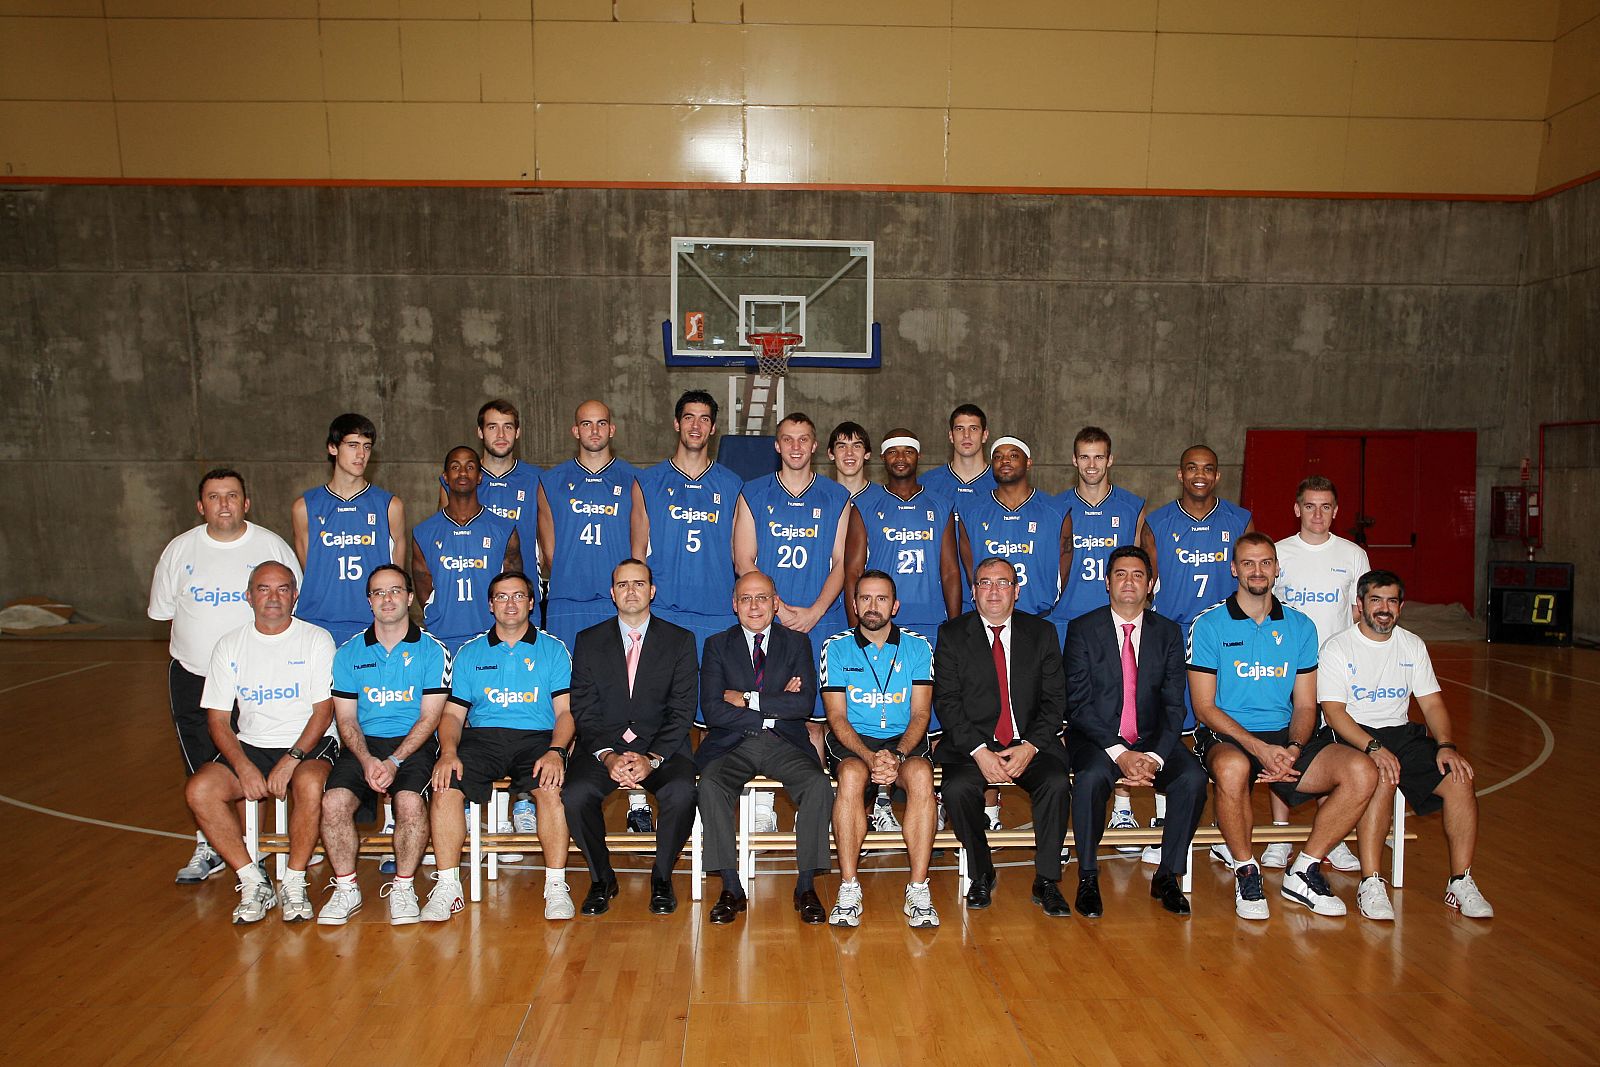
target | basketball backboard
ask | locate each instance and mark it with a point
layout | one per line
(725, 288)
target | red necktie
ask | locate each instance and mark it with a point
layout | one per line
(1130, 677)
(758, 660)
(1003, 731)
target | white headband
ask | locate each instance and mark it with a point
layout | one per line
(899, 442)
(1026, 451)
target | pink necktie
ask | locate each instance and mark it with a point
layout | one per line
(633, 658)
(1130, 677)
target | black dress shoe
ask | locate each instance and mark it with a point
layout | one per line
(981, 893)
(1166, 888)
(1089, 896)
(728, 907)
(809, 905)
(663, 901)
(1047, 895)
(598, 899)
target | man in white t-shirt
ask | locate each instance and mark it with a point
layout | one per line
(1317, 572)
(199, 585)
(1366, 677)
(279, 670)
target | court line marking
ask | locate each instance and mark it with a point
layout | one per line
(1544, 670)
(1544, 728)
(14, 802)
(53, 677)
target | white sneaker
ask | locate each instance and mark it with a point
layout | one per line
(508, 857)
(525, 817)
(883, 816)
(296, 901)
(1307, 886)
(938, 817)
(1249, 898)
(202, 865)
(994, 822)
(1220, 853)
(1372, 897)
(1464, 895)
(1276, 855)
(345, 902)
(403, 910)
(1151, 853)
(256, 898)
(558, 901)
(766, 821)
(386, 861)
(1342, 859)
(919, 906)
(1123, 820)
(847, 908)
(444, 900)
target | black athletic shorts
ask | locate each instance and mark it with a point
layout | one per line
(267, 758)
(489, 753)
(184, 691)
(837, 753)
(1418, 754)
(1205, 739)
(412, 776)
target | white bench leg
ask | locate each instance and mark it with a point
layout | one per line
(746, 854)
(1188, 872)
(697, 862)
(252, 829)
(1397, 870)
(475, 850)
(963, 880)
(491, 825)
(280, 817)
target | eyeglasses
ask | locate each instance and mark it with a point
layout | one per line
(754, 598)
(994, 583)
(384, 594)
(509, 598)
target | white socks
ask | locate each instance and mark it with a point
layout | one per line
(1161, 805)
(1121, 803)
(554, 878)
(637, 800)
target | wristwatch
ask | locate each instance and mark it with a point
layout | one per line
(396, 760)
(1373, 746)
(297, 754)
(899, 756)
(560, 752)
(655, 763)
(748, 695)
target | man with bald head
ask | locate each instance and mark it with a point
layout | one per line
(758, 686)
(585, 520)
(279, 669)
(456, 550)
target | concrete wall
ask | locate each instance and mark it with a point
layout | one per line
(149, 332)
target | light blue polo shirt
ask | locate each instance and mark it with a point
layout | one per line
(1255, 663)
(877, 682)
(388, 686)
(511, 685)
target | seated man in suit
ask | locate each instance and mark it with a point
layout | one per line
(999, 691)
(634, 684)
(1125, 681)
(758, 686)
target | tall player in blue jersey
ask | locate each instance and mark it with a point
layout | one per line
(510, 487)
(1191, 540)
(456, 550)
(343, 530)
(849, 448)
(966, 477)
(1103, 517)
(683, 518)
(585, 518)
(1021, 525)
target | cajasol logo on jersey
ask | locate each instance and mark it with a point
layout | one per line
(347, 540)
(785, 532)
(507, 697)
(583, 507)
(1093, 542)
(1382, 692)
(262, 694)
(216, 597)
(1008, 548)
(514, 514)
(892, 533)
(872, 698)
(683, 514)
(1191, 558)
(1291, 595)
(465, 563)
(1260, 670)
(384, 697)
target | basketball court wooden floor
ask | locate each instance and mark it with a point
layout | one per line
(104, 960)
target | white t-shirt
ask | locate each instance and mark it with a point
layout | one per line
(199, 585)
(1375, 680)
(1320, 580)
(274, 678)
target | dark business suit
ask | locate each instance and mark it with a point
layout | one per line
(966, 696)
(1093, 657)
(654, 718)
(737, 748)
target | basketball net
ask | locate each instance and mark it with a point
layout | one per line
(772, 351)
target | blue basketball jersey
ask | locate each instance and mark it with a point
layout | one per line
(795, 536)
(514, 495)
(345, 539)
(943, 481)
(1029, 536)
(591, 515)
(1193, 557)
(904, 538)
(691, 536)
(462, 558)
(1096, 530)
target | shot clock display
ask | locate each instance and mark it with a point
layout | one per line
(1530, 603)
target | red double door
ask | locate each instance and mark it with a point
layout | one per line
(1408, 497)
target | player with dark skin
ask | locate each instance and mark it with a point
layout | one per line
(1198, 475)
(462, 473)
(900, 478)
